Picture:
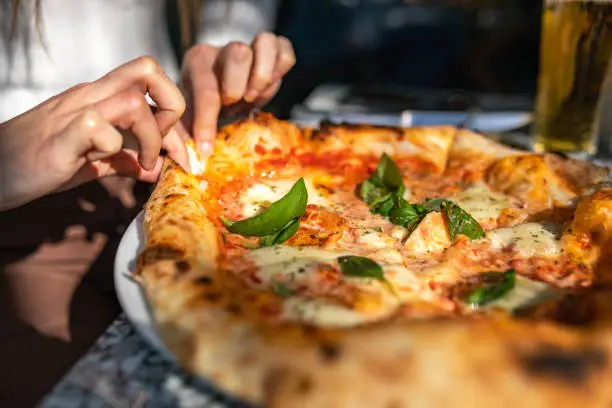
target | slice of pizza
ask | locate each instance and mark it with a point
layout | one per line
(362, 266)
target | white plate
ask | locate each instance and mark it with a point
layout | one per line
(129, 292)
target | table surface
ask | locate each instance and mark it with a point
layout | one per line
(123, 370)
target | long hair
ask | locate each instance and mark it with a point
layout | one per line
(189, 14)
(190, 19)
(15, 17)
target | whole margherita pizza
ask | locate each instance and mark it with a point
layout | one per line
(361, 266)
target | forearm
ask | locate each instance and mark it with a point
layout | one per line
(223, 21)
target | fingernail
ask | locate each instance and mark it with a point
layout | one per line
(205, 147)
(150, 167)
(152, 175)
(250, 95)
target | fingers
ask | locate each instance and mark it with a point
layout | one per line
(286, 58)
(98, 148)
(129, 111)
(88, 137)
(274, 57)
(119, 136)
(125, 164)
(174, 144)
(233, 67)
(265, 53)
(202, 88)
(146, 74)
(268, 93)
(213, 78)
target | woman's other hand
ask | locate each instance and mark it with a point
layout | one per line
(237, 77)
(92, 130)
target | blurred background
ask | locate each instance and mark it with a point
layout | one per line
(383, 57)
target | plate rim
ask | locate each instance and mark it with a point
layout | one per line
(129, 292)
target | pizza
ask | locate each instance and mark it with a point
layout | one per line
(363, 266)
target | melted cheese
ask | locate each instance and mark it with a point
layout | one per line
(196, 164)
(324, 313)
(399, 233)
(376, 240)
(431, 235)
(286, 263)
(481, 203)
(388, 255)
(525, 293)
(528, 239)
(263, 193)
(300, 264)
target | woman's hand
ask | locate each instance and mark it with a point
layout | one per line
(237, 76)
(93, 130)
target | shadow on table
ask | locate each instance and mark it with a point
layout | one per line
(44, 277)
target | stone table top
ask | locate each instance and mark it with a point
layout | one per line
(122, 370)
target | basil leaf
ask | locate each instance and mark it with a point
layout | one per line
(493, 291)
(435, 204)
(414, 223)
(382, 199)
(384, 183)
(226, 222)
(282, 290)
(267, 240)
(276, 217)
(403, 214)
(398, 195)
(370, 192)
(282, 235)
(384, 208)
(460, 222)
(360, 267)
(387, 173)
(408, 215)
(289, 231)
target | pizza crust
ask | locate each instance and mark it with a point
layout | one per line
(493, 362)
(213, 324)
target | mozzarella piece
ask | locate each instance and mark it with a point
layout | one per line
(481, 203)
(399, 233)
(324, 313)
(376, 240)
(528, 239)
(430, 236)
(286, 263)
(388, 255)
(265, 192)
(525, 293)
(196, 163)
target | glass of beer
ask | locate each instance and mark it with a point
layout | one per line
(575, 50)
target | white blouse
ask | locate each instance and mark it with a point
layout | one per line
(81, 40)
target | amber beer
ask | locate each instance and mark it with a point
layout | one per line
(575, 51)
